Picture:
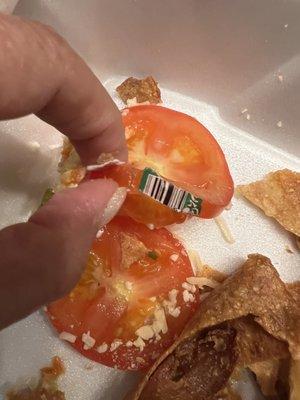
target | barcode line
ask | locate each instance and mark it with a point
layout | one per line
(165, 192)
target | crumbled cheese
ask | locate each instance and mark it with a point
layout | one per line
(102, 348)
(128, 285)
(279, 124)
(115, 344)
(173, 295)
(244, 110)
(187, 296)
(153, 299)
(201, 281)
(175, 312)
(129, 343)
(190, 288)
(145, 332)
(160, 323)
(69, 337)
(170, 305)
(132, 102)
(99, 233)
(88, 341)
(174, 257)
(139, 343)
(151, 226)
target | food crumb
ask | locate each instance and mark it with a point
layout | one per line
(286, 25)
(288, 249)
(248, 117)
(244, 110)
(280, 77)
(136, 91)
(279, 124)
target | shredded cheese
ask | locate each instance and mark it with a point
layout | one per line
(88, 341)
(102, 348)
(145, 332)
(201, 281)
(115, 344)
(221, 223)
(69, 337)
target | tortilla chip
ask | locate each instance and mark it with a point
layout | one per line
(294, 380)
(254, 291)
(140, 90)
(278, 195)
(205, 271)
(254, 344)
(266, 373)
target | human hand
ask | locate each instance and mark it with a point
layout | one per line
(42, 259)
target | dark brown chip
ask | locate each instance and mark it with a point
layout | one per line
(254, 301)
(140, 90)
(197, 369)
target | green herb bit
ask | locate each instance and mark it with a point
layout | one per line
(47, 196)
(152, 254)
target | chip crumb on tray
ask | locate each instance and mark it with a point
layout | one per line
(46, 388)
(134, 90)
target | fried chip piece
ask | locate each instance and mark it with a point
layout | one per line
(278, 195)
(294, 380)
(197, 368)
(255, 291)
(142, 90)
(47, 386)
(254, 344)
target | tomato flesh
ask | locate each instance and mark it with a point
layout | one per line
(179, 149)
(131, 274)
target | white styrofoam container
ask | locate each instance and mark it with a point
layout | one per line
(212, 59)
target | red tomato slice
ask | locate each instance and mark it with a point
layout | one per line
(132, 276)
(179, 149)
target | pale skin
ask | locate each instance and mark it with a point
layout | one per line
(42, 260)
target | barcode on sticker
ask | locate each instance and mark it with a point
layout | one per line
(167, 193)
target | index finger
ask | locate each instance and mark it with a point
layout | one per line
(40, 73)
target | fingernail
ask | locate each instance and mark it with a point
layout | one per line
(114, 205)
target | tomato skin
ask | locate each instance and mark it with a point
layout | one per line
(103, 310)
(181, 150)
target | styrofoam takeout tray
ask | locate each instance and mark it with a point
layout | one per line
(223, 58)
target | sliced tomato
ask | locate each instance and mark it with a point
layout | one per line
(138, 206)
(179, 149)
(132, 276)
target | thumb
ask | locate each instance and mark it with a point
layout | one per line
(42, 260)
